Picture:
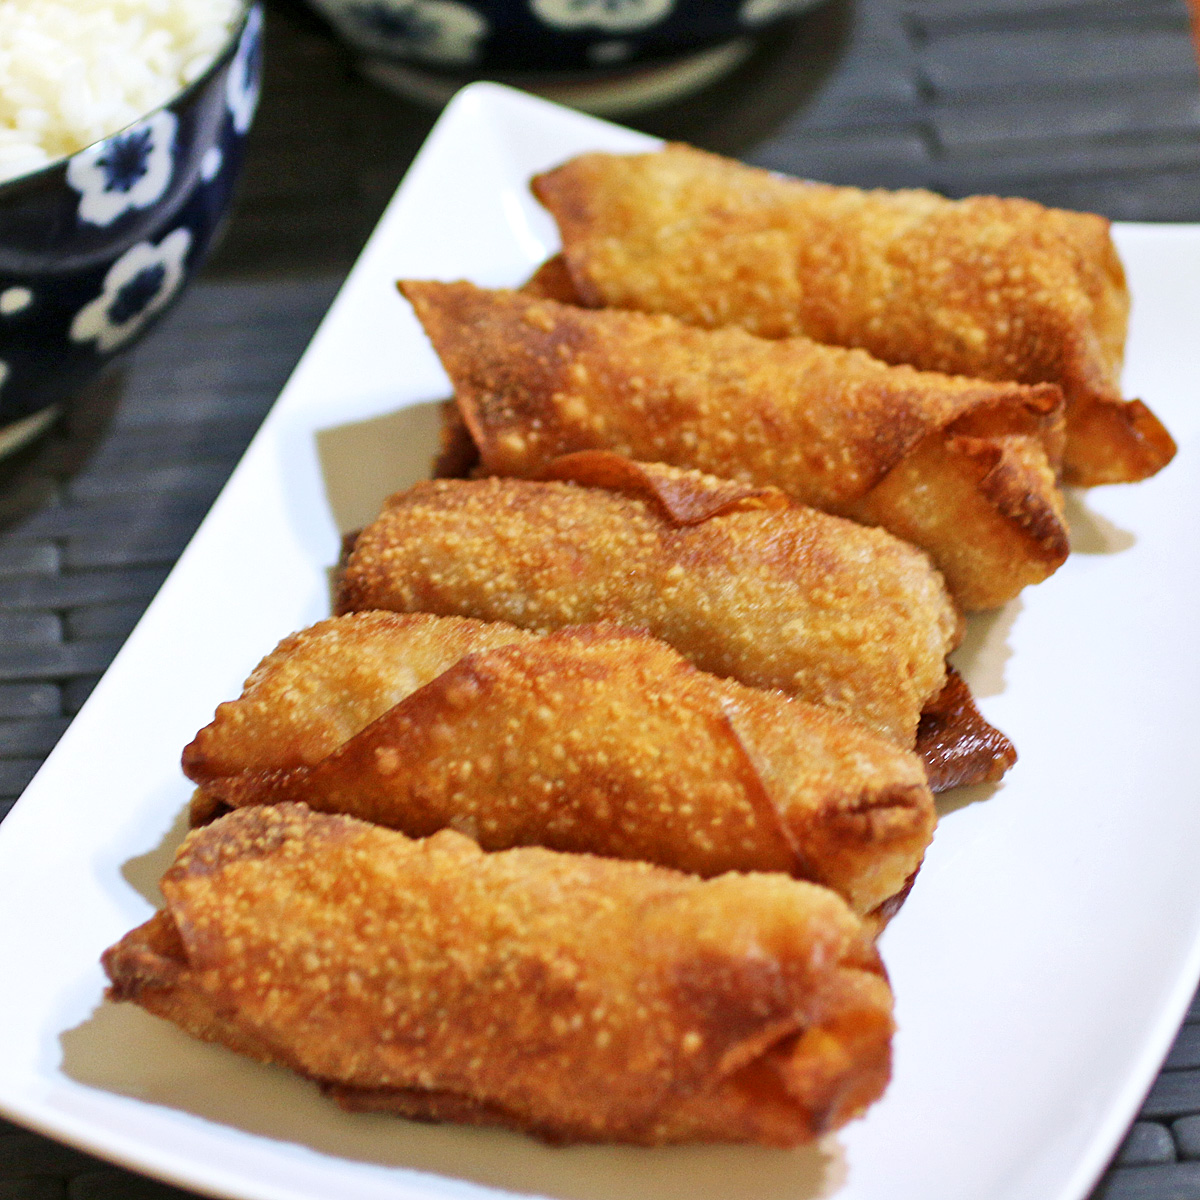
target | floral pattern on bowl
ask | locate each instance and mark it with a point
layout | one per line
(138, 285)
(544, 36)
(442, 32)
(131, 169)
(614, 16)
(93, 248)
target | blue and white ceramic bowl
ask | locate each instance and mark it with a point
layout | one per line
(94, 247)
(410, 43)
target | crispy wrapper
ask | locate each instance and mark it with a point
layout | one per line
(956, 744)
(962, 468)
(994, 288)
(739, 580)
(434, 980)
(592, 739)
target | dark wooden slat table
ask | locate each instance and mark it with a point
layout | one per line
(1080, 103)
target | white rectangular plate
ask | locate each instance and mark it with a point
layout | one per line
(1040, 966)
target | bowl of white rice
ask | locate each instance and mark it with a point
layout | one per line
(122, 125)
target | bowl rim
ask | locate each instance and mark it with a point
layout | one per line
(30, 179)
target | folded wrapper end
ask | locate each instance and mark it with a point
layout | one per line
(149, 961)
(458, 455)
(552, 281)
(685, 496)
(204, 808)
(1114, 441)
(956, 744)
(346, 549)
(877, 919)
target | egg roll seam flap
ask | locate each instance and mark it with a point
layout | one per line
(685, 496)
(347, 667)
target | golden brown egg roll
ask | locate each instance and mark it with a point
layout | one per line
(999, 289)
(434, 980)
(739, 580)
(591, 739)
(963, 468)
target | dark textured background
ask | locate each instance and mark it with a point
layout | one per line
(1082, 103)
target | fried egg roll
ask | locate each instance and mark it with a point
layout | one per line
(739, 580)
(999, 289)
(963, 468)
(575, 998)
(591, 739)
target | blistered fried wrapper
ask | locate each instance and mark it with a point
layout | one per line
(963, 468)
(736, 578)
(592, 739)
(704, 565)
(575, 998)
(1000, 289)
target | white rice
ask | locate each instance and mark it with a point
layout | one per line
(74, 71)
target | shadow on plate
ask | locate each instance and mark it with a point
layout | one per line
(962, 797)
(984, 651)
(1090, 532)
(173, 1070)
(364, 462)
(981, 659)
(143, 872)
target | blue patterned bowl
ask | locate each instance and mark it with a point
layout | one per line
(554, 46)
(94, 247)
